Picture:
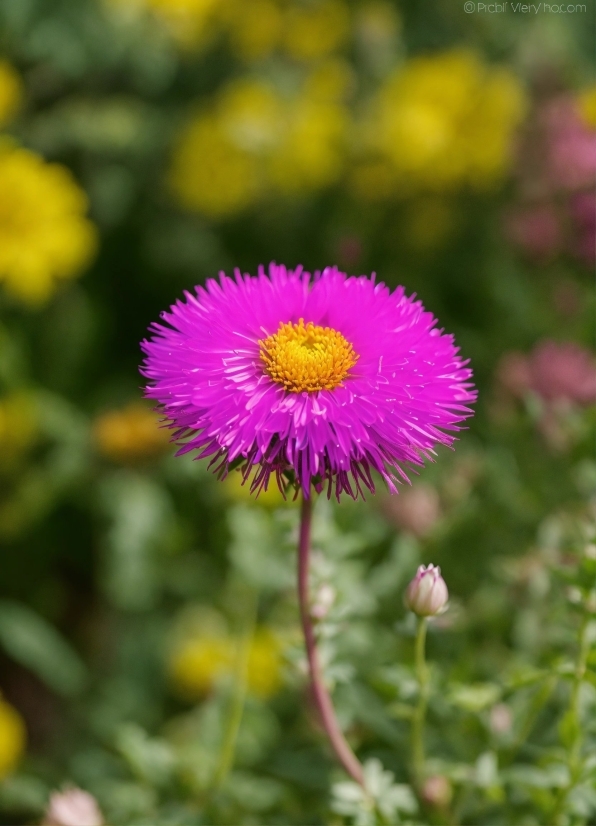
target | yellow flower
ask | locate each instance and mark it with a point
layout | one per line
(11, 92)
(18, 426)
(270, 498)
(310, 153)
(44, 234)
(329, 81)
(264, 677)
(12, 738)
(130, 434)
(446, 121)
(255, 27)
(253, 141)
(316, 29)
(587, 106)
(216, 167)
(189, 22)
(200, 662)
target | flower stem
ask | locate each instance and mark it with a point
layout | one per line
(342, 750)
(420, 711)
(238, 699)
(575, 723)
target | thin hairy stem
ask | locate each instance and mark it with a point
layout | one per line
(344, 753)
(419, 717)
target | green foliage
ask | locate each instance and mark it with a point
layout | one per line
(116, 555)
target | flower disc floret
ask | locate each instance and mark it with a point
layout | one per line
(322, 379)
(307, 357)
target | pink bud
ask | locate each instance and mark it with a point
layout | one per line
(72, 807)
(437, 791)
(500, 719)
(427, 593)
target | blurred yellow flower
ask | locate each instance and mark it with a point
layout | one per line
(445, 121)
(200, 662)
(12, 738)
(216, 163)
(310, 153)
(331, 80)
(189, 22)
(44, 234)
(255, 27)
(11, 91)
(18, 425)
(265, 662)
(315, 29)
(270, 498)
(130, 434)
(587, 106)
(253, 141)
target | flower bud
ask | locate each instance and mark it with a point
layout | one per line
(437, 791)
(72, 807)
(427, 593)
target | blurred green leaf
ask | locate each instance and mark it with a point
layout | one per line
(34, 643)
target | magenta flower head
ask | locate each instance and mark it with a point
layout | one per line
(316, 379)
(427, 593)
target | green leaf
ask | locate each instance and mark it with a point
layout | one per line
(23, 793)
(150, 759)
(475, 697)
(31, 641)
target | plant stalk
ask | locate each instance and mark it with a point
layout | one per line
(342, 750)
(238, 699)
(421, 667)
(575, 749)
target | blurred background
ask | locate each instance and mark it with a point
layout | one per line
(147, 145)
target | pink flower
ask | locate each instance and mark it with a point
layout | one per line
(555, 372)
(437, 791)
(571, 153)
(583, 211)
(324, 379)
(427, 593)
(72, 807)
(415, 510)
(535, 229)
(563, 371)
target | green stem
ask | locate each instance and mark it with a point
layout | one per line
(574, 718)
(537, 703)
(418, 719)
(228, 750)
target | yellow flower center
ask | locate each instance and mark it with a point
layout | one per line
(307, 357)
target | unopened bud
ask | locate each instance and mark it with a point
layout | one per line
(500, 719)
(427, 593)
(437, 791)
(325, 597)
(72, 807)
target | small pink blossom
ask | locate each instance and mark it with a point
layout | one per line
(427, 593)
(563, 371)
(571, 155)
(72, 807)
(437, 791)
(583, 210)
(535, 229)
(415, 510)
(500, 719)
(555, 372)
